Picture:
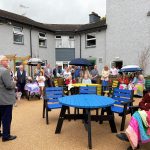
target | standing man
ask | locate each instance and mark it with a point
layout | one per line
(94, 74)
(48, 72)
(21, 76)
(7, 98)
(55, 71)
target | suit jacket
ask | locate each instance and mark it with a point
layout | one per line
(7, 87)
(55, 71)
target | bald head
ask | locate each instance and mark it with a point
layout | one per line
(21, 67)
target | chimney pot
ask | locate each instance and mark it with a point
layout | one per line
(94, 17)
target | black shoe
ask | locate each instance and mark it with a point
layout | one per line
(130, 148)
(123, 137)
(11, 137)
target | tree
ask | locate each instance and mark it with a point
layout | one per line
(144, 58)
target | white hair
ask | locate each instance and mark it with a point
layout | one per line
(2, 57)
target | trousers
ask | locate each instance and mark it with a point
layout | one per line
(5, 119)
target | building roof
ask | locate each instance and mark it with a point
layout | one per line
(56, 28)
(90, 26)
(64, 27)
(22, 19)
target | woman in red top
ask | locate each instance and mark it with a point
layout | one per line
(124, 81)
(145, 103)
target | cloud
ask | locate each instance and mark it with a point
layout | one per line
(56, 11)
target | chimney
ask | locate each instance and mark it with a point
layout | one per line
(94, 17)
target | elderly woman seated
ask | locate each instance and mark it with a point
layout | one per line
(138, 130)
(137, 84)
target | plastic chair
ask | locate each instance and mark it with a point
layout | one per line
(55, 83)
(51, 100)
(147, 86)
(123, 101)
(115, 84)
(87, 90)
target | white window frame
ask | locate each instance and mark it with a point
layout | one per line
(58, 41)
(19, 33)
(93, 34)
(44, 38)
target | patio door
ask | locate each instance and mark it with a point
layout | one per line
(118, 64)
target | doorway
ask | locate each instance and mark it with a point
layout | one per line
(117, 64)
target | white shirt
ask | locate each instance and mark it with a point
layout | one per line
(40, 80)
(86, 81)
(67, 74)
(114, 71)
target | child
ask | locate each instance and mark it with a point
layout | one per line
(86, 79)
(69, 81)
(41, 81)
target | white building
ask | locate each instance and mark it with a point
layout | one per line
(117, 40)
(128, 30)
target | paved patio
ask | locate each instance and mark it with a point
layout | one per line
(34, 134)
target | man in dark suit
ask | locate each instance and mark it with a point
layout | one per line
(7, 98)
(21, 76)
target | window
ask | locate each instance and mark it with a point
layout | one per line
(71, 41)
(64, 41)
(91, 40)
(58, 41)
(18, 35)
(58, 37)
(71, 37)
(42, 40)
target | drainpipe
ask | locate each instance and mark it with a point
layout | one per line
(80, 45)
(31, 42)
(31, 48)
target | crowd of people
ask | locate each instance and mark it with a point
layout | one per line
(11, 82)
(45, 76)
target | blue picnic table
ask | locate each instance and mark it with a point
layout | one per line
(87, 102)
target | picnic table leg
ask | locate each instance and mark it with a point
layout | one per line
(85, 119)
(111, 120)
(61, 119)
(44, 108)
(89, 128)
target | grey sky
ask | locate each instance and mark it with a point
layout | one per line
(56, 11)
